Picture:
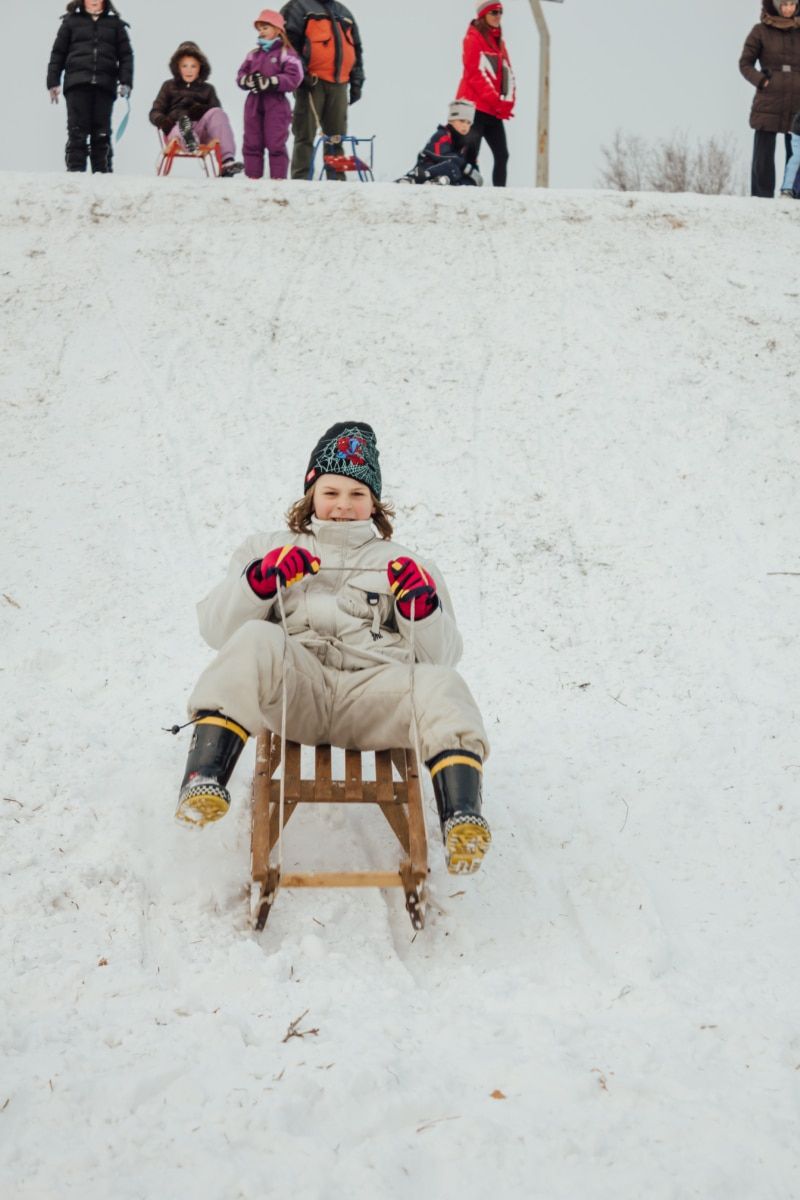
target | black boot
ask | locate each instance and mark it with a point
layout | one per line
(216, 745)
(189, 136)
(457, 776)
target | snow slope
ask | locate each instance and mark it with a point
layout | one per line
(587, 409)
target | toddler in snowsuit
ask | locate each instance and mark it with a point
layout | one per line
(444, 158)
(188, 108)
(93, 51)
(355, 604)
(268, 73)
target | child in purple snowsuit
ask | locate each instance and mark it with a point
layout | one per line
(268, 73)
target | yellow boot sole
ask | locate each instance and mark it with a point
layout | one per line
(466, 840)
(201, 804)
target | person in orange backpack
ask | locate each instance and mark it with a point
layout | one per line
(488, 82)
(325, 35)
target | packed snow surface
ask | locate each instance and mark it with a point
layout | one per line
(587, 411)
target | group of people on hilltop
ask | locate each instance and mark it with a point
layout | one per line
(310, 49)
(774, 44)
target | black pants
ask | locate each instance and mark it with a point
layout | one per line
(89, 128)
(494, 130)
(762, 178)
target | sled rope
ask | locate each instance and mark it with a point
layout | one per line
(284, 698)
(284, 693)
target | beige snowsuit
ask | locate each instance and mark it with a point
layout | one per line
(347, 658)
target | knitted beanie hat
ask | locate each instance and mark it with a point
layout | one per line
(348, 448)
(483, 6)
(461, 110)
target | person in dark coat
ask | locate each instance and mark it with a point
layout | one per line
(188, 108)
(93, 52)
(444, 158)
(775, 45)
(325, 35)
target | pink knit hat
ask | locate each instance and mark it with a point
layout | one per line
(270, 17)
(483, 6)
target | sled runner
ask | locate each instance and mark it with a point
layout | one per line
(335, 158)
(207, 153)
(395, 790)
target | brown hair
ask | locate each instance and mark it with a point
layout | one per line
(484, 26)
(298, 518)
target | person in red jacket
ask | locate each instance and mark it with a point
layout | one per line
(488, 82)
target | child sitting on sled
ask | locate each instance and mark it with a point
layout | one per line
(188, 108)
(335, 645)
(444, 158)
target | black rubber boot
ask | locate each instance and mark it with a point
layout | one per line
(189, 136)
(216, 745)
(457, 776)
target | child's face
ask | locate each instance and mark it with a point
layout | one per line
(265, 30)
(189, 69)
(462, 127)
(93, 6)
(337, 498)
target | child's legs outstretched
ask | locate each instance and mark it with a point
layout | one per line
(215, 124)
(244, 683)
(277, 118)
(253, 143)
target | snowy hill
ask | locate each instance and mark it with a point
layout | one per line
(587, 411)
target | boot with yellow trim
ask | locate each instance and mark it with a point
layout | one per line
(216, 745)
(457, 776)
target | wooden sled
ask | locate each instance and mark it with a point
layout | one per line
(396, 792)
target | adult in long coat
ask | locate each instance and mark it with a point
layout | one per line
(488, 82)
(93, 52)
(775, 45)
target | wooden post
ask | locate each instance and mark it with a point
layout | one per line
(543, 130)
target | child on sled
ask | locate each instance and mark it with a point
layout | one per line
(444, 157)
(339, 654)
(269, 73)
(188, 108)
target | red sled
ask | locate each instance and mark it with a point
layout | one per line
(208, 153)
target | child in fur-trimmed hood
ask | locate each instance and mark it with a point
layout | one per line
(188, 108)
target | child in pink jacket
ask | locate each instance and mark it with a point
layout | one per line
(268, 73)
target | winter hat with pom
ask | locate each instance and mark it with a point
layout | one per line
(348, 448)
(461, 110)
(483, 7)
(270, 17)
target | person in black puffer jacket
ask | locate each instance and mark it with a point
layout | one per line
(93, 52)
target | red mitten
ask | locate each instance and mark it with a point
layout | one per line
(413, 588)
(284, 565)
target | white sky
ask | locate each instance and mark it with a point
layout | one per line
(647, 68)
